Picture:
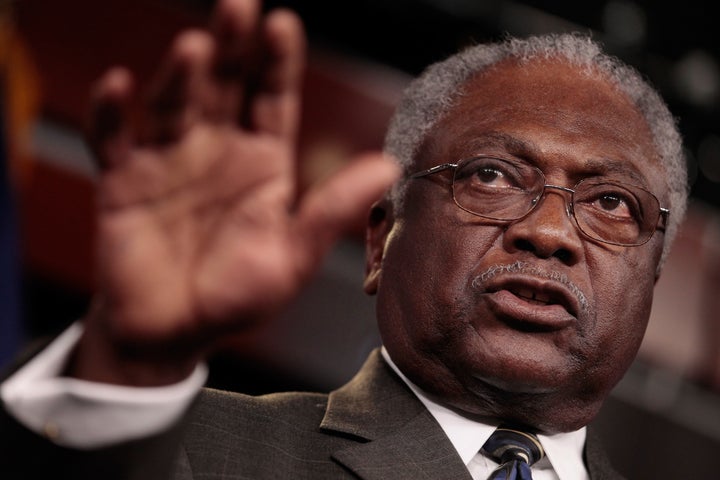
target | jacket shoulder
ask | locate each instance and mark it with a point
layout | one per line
(263, 437)
(228, 408)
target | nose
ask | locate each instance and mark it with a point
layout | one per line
(548, 230)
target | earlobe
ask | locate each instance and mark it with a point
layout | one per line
(379, 225)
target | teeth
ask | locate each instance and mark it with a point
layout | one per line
(542, 297)
(525, 293)
(529, 294)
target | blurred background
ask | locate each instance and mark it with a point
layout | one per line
(362, 54)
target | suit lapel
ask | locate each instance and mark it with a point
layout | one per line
(596, 460)
(409, 453)
(398, 437)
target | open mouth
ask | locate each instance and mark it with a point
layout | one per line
(538, 298)
(538, 293)
(531, 290)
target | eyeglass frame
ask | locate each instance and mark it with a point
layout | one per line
(663, 213)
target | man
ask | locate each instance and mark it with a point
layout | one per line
(513, 261)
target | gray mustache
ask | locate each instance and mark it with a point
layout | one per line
(480, 281)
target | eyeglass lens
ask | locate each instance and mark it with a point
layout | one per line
(605, 210)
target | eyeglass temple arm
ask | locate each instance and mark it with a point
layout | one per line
(663, 220)
(430, 171)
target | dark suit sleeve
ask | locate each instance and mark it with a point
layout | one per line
(26, 455)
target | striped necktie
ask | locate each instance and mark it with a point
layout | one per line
(515, 451)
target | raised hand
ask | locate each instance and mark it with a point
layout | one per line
(200, 230)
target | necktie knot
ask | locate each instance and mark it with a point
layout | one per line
(515, 451)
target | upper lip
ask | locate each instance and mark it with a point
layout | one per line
(540, 289)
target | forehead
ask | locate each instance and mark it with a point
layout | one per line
(554, 114)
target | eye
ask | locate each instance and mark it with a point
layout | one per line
(490, 175)
(614, 204)
(618, 203)
(485, 172)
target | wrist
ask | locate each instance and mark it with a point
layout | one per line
(102, 357)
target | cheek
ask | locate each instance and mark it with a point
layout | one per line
(450, 257)
(623, 302)
(440, 243)
(427, 271)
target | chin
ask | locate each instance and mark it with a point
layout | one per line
(546, 404)
(544, 413)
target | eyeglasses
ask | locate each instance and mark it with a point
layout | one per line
(507, 190)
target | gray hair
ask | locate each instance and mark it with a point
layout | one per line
(433, 93)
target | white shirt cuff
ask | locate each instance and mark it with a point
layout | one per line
(81, 414)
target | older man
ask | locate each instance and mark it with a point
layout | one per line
(513, 261)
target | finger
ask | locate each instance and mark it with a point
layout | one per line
(234, 28)
(329, 209)
(175, 98)
(275, 106)
(110, 130)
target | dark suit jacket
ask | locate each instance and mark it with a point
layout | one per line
(372, 428)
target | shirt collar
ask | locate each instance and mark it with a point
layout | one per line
(563, 450)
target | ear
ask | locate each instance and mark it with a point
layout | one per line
(379, 225)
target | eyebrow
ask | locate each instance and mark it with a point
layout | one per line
(529, 150)
(514, 145)
(608, 166)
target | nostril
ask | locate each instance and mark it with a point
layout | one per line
(563, 255)
(524, 245)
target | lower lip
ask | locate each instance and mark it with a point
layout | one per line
(524, 314)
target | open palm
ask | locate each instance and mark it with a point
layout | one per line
(201, 230)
